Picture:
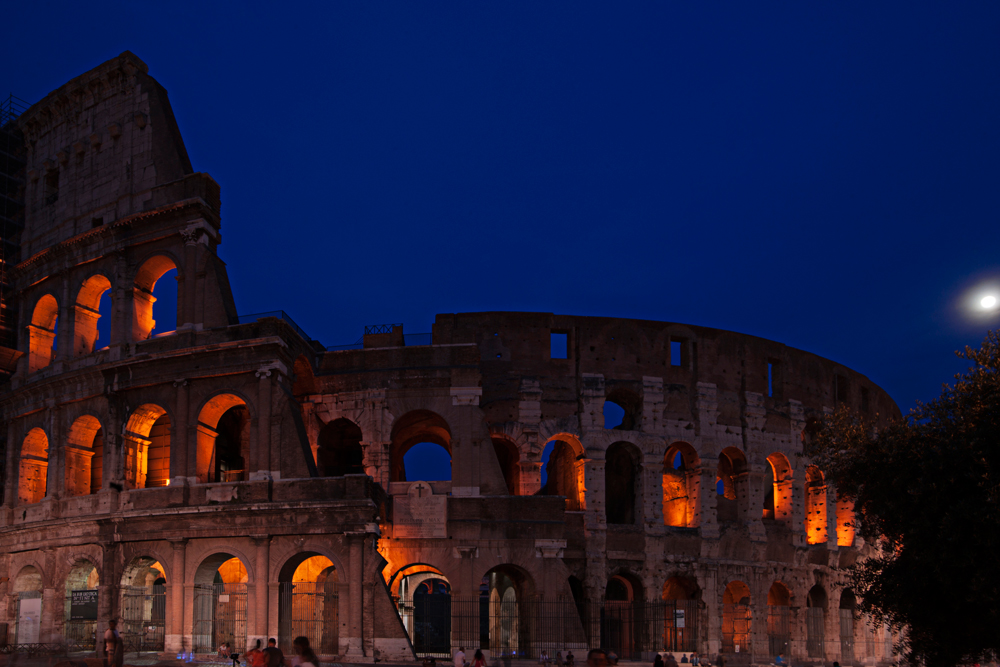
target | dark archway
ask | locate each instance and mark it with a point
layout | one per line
(509, 459)
(339, 452)
(622, 484)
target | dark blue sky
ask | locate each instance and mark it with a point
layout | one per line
(821, 174)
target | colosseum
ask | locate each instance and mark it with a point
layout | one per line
(212, 477)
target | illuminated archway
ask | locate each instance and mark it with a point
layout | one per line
(28, 589)
(84, 453)
(146, 440)
(42, 333)
(779, 619)
(563, 471)
(682, 600)
(32, 482)
(815, 521)
(681, 485)
(87, 313)
(309, 602)
(220, 603)
(145, 282)
(143, 604)
(732, 485)
(506, 590)
(736, 619)
(424, 599)
(80, 606)
(778, 493)
(223, 439)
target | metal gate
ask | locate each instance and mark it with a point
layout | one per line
(846, 636)
(143, 617)
(736, 628)
(220, 615)
(778, 629)
(814, 632)
(680, 624)
(309, 609)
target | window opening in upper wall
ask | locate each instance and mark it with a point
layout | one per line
(675, 353)
(614, 414)
(840, 389)
(559, 345)
(165, 306)
(96, 222)
(864, 399)
(770, 378)
(427, 462)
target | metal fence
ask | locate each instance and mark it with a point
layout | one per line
(143, 617)
(814, 632)
(736, 628)
(437, 623)
(220, 616)
(311, 610)
(847, 636)
(779, 632)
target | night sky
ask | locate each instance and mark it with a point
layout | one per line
(821, 174)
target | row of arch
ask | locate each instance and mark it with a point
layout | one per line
(90, 305)
(563, 473)
(222, 449)
(308, 602)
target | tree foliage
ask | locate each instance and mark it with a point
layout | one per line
(928, 504)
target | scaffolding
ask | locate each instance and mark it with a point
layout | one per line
(12, 164)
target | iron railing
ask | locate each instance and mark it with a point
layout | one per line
(143, 617)
(11, 108)
(311, 610)
(381, 328)
(281, 315)
(220, 616)
(437, 623)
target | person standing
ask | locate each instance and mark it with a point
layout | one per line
(114, 650)
(275, 658)
(304, 655)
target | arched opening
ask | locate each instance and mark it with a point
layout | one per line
(503, 592)
(220, 603)
(815, 621)
(622, 617)
(304, 382)
(681, 485)
(509, 458)
(847, 605)
(736, 618)
(309, 603)
(81, 605)
(34, 467)
(223, 439)
(82, 444)
(153, 283)
(563, 471)
(143, 605)
(731, 485)
(146, 441)
(92, 305)
(425, 607)
(622, 484)
(339, 449)
(28, 591)
(42, 333)
(815, 522)
(779, 619)
(417, 440)
(680, 618)
(778, 490)
(622, 410)
(845, 521)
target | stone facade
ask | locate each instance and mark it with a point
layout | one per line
(213, 469)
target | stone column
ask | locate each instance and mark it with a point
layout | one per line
(707, 501)
(652, 494)
(831, 519)
(354, 648)
(263, 453)
(55, 475)
(180, 473)
(754, 510)
(593, 495)
(261, 589)
(175, 623)
(186, 293)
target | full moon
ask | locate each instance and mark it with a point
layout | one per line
(988, 301)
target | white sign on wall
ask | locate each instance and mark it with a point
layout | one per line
(29, 618)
